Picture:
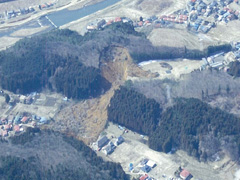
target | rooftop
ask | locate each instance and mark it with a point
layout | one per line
(184, 174)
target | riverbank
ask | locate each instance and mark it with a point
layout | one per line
(66, 16)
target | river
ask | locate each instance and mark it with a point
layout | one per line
(65, 16)
(62, 17)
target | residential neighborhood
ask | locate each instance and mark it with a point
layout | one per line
(117, 143)
(29, 110)
(199, 17)
(13, 125)
(7, 15)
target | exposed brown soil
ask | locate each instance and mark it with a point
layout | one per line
(87, 119)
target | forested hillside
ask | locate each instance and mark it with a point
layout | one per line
(63, 60)
(51, 155)
(133, 110)
(33, 64)
(197, 128)
(190, 124)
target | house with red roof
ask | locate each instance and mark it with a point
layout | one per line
(109, 22)
(6, 127)
(185, 175)
(118, 19)
(140, 23)
(144, 177)
(24, 119)
(16, 128)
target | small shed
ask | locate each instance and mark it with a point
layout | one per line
(119, 140)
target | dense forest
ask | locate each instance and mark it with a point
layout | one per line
(67, 62)
(31, 65)
(51, 155)
(187, 124)
(190, 124)
(133, 110)
(61, 60)
(151, 52)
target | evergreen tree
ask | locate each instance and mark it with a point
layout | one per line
(203, 95)
(7, 98)
(228, 89)
(219, 89)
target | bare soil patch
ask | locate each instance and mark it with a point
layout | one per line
(226, 32)
(153, 7)
(28, 32)
(7, 41)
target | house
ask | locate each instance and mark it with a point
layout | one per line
(43, 120)
(109, 148)
(10, 119)
(119, 140)
(140, 24)
(16, 128)
(6, 127)
(237, 54)
(16, 120)
(149, 178)
(144, 161)
(3, 120)
(29, 100)
(12, 101)
(151, 164)
(144, 177)
(118, 19)
(109, 22)
(31, 9)
(43, 6)
(101, 23)
(4, 133)
(24, 119)
(130, 167)
(91, 28)
(185, 175)
(22, 99)
(146, 168)
(102, 142)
